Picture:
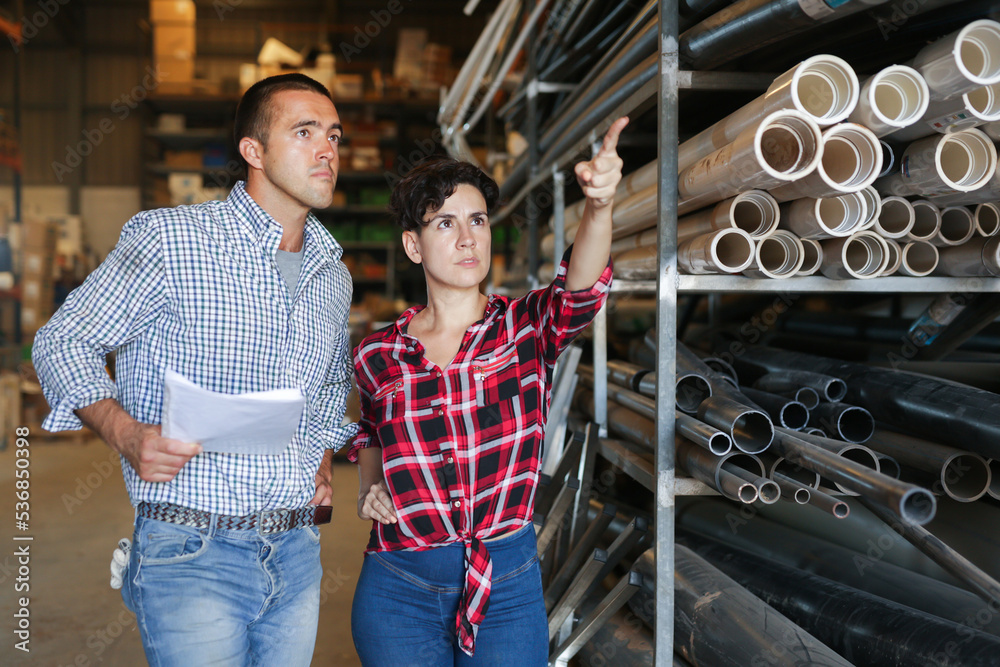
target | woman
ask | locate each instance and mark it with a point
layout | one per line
(454, 397)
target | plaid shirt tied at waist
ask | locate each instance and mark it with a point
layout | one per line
(461, 445)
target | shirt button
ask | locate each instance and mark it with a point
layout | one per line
(439, 373)
(450, 459)
(440, 412)
(457, 503)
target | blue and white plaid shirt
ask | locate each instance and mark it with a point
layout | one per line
(195, 289)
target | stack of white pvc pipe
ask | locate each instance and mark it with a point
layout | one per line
(852, 205)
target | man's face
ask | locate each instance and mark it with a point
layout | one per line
(454, 247)
(302, 156)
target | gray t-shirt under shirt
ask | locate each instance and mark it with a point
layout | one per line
(290, 266)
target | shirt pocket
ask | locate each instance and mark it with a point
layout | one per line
(389, 400)
(498, 389)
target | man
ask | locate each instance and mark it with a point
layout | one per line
(241, 295)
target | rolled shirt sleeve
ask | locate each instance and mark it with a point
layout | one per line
(111, 308)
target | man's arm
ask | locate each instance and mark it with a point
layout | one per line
(599, 179)
(153, 457)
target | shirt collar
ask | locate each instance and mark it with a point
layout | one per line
(495, 304)
(257, 222)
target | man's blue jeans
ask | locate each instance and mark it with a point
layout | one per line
(406, 601)
(224, 597)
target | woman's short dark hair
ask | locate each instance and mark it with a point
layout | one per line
(429, 183)
(255, 111)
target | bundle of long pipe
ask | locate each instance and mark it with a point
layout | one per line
(718, 622)
(878, 576)
(783, 147)
(724, 251)
(851, 161)
(989, 192)
(947, 412)
(943, 164)
(824, 88)
(865, 629)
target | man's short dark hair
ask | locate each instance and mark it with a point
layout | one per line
(255, 111)
(429, 183)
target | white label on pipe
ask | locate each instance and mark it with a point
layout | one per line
(952, 122)
(817, 9)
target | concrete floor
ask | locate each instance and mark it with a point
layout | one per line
(79, 509)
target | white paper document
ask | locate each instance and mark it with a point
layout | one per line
(260, 422)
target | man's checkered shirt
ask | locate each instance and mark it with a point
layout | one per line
(195, 289)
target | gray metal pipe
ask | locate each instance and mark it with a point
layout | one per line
(792, 489)
(750, 429)
(768, 491)
(847, 422)
(848, 450)
(912, 503)
(962, 475)
(778, 465)
(709, 469)
(784, 412)
(828, 388)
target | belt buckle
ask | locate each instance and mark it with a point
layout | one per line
(272, 521)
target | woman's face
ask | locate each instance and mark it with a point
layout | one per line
(454, 246)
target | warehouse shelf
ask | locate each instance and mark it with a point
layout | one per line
(656, 471)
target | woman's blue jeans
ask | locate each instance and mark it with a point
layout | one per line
(406, 601)
(224, 597)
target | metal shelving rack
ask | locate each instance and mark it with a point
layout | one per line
(662, 480)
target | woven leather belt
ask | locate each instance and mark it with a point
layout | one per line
(274, 521)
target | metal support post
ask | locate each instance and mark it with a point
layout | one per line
(666, 326)
(559, 211)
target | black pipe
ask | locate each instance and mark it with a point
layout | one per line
(865, 629)
(748, 25)
(869, 572)
(784, 412)
(841, 420)
(717, 622)
(939, 410)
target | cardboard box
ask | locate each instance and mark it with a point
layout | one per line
(174, 40)
(172, 11)
(38, 235)
(185, 188)
(192, 159)
(171, 122)
(37, 264)
(348, 86)
(69, 239)
(38, 292)
(174, 70)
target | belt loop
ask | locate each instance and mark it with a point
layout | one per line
(213, 525)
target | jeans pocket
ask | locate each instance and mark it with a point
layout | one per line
(313, 533)
(165, 544)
